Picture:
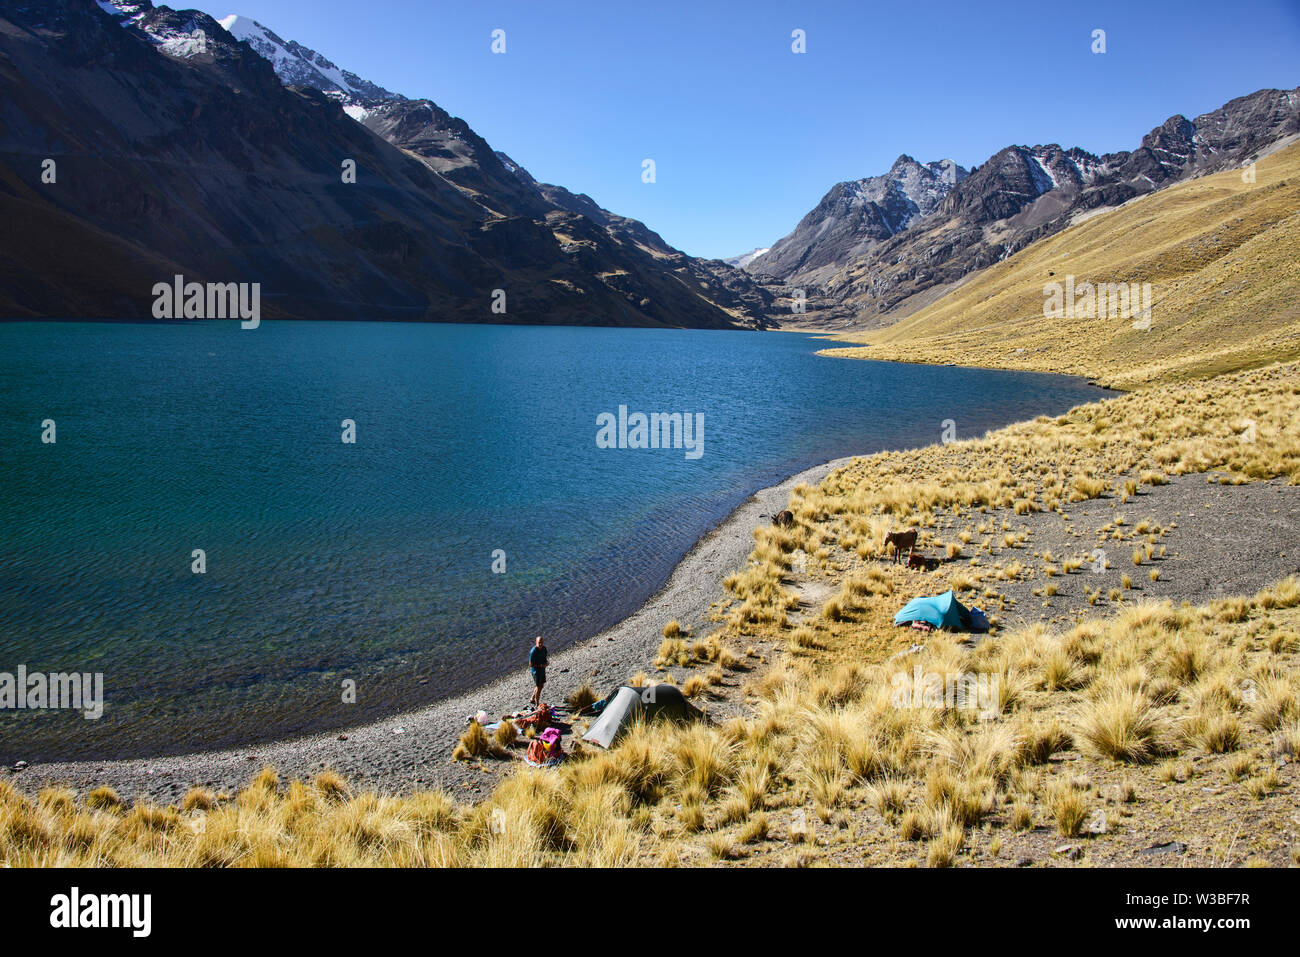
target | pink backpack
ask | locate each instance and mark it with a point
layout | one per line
(546, 747)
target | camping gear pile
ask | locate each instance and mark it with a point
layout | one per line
(538, 720)
(615, 714)
(546, 724)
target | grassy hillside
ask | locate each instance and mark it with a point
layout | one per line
(1223, 259)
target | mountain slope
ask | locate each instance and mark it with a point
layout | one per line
(205, 161)
(180, 150)
(644, 268)
(1018, 196)
(451, 147)
(1222, 256)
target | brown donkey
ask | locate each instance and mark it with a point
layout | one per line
(901, 542)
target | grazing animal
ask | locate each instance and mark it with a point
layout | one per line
(785, 519)
(916, 561)
(901, 542)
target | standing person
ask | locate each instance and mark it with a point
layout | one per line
(537, 665)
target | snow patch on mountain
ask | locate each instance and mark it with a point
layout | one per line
(1041, 172)
(123, 11)
(909, 191)
(743, 260)
(297, 65)
(1088, 166)
(182, 40)
(183, 45)
(947, 171)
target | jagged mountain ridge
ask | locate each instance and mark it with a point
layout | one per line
(190, 154)
(297, 65)
(1017, 196)
(491, 178)
(855, 214)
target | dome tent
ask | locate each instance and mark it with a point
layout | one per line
(942, 611)
(628, 704)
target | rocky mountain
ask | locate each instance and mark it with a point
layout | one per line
(866, 248)
(219, 151)
(448, 146)
(854, 216)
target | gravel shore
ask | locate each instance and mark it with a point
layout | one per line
(412, 751)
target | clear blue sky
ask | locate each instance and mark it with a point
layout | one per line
(747, 136)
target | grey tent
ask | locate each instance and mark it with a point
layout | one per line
(651, 702)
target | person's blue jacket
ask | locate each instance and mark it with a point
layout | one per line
(537, 658)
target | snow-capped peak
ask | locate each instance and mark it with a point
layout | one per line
(181, 34)
(297, 65)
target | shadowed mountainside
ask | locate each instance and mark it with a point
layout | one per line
(176, 148)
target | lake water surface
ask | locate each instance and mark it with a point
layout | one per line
(373, 561)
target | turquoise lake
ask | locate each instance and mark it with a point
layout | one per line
(373, 561)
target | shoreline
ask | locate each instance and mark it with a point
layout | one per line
(840, 346)
(412, 750)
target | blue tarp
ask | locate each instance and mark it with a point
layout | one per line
(942, 611)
